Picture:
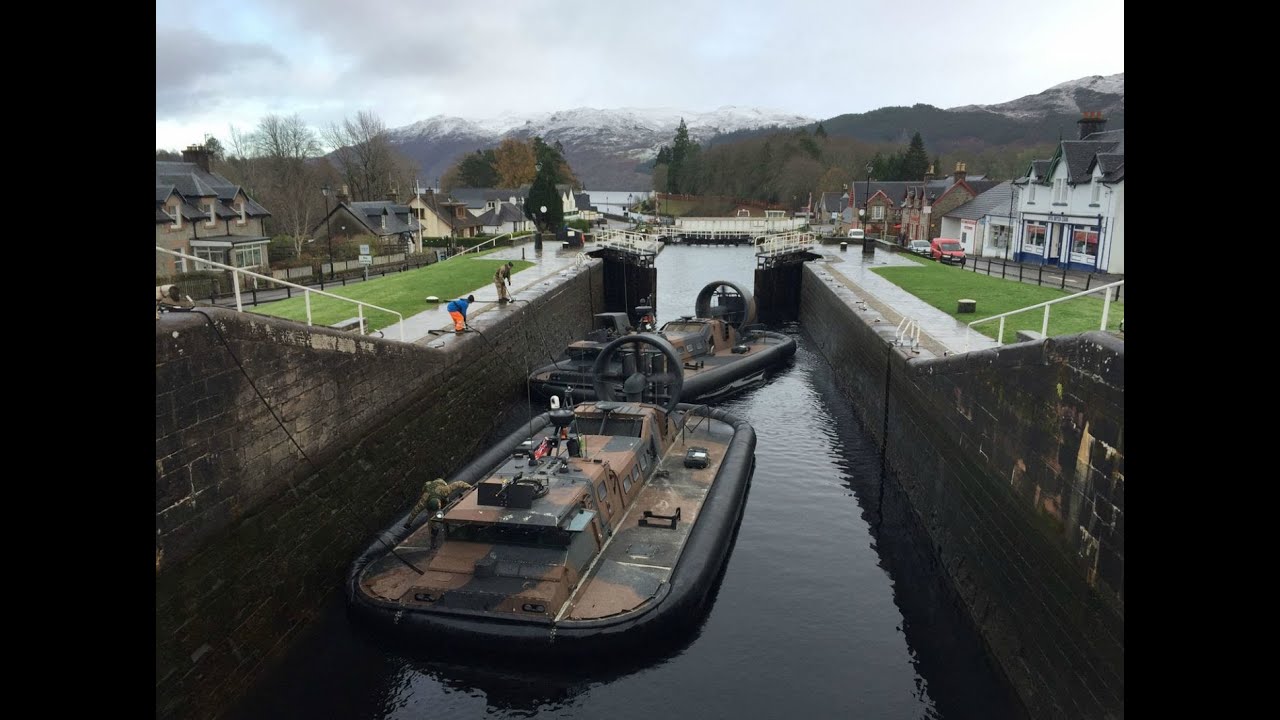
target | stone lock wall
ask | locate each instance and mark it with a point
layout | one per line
(1013, 463)
(282, 449)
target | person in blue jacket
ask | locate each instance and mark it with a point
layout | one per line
(458, 311)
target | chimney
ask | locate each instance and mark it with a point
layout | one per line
(1090, 123)
(344, 195)
(960, 172)
(197, 154)
(392, 195)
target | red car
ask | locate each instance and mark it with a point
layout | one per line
(947, 250)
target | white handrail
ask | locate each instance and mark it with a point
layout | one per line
(907, 329)
(486, 242)
(235, 276)
(1044, 326)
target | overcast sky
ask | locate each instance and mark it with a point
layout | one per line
(223, 63)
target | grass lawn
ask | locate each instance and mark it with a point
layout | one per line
(942, 285)
(403, 292)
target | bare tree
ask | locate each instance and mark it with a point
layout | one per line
(363, 155)
(285, 146)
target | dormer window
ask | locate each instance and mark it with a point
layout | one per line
(213, 216)
(175, 212)
(1096, 192)
(241, 208)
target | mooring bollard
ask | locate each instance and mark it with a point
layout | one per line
(844, 246)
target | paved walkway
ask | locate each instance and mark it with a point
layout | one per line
(940, 333)
(549, 261)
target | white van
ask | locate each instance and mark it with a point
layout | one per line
(856, 234)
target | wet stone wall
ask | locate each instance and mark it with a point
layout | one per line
(1012, 461)
(256, 523)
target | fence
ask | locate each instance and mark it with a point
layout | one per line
(1054, 276)
(236, 273)
(219, 290)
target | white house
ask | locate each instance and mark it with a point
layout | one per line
(985, 224)
(1071, 211)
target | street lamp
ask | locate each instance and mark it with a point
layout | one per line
(328, 231)
(867, 247)
(537, 235)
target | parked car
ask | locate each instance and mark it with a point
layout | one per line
(947, 250)
(920, 247)
(857, 234)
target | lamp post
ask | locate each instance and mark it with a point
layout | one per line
(537, 235)
(328, 231)
(867, 247)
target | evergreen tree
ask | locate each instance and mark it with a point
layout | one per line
(916, 162)
(821, 131)
(478, 170)
(543, 193)
(681, 152)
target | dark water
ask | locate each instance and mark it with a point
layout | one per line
(829, 606)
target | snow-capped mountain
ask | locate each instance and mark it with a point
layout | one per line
(603, 146)
(1095, 92)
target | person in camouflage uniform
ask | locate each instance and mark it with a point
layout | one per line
(435, 493)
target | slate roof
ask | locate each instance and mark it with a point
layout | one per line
(1112, 165)
(399, 217)
(583, 201)
(194, 185)
(995, 201)
(1080, 156)
(503, 214)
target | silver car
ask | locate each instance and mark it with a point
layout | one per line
(919, 247)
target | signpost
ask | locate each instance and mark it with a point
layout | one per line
(365, 259)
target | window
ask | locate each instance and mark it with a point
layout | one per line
(1060, 191)
(628, 479)
(1033, 238)
(1031, 194)
(877, 212)
(211, 254)
(240, 206)
(1084, 241)
(602, 492)
(249, 257)
(1096, 192)
(175, 212)
(213, 216)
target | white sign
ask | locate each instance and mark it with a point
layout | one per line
(366, 259)
(364, 249)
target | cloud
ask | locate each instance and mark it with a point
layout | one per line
(409, 60)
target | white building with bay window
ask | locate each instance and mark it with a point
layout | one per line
(1070, 208)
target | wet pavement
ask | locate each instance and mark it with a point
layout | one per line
(940, 333)
(546, 262)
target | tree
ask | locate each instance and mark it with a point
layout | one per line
(513, 161)
(916, 162)
(478, 170)
(543, 193)
(364, 157)
(679, 175)
(286, 146)
(821, 131)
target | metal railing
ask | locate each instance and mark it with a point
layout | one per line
(1044, 326)
(491, 241)
(237, 272)
(784, 243)
(628, 241)
(908, 330)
